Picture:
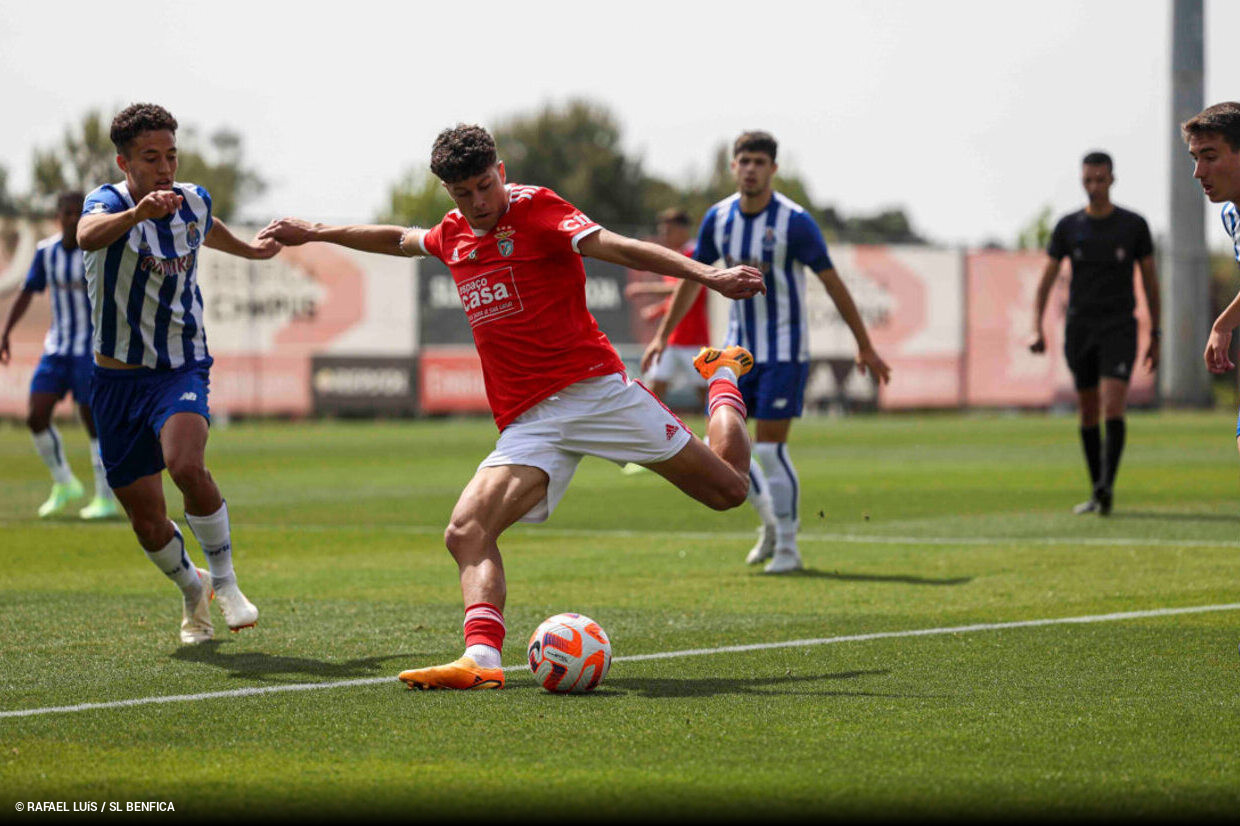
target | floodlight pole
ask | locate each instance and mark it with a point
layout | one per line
(1183, 378)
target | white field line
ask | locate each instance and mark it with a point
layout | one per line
(854, 538)
(662, 655)
(845, 538)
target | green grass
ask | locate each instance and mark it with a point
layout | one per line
(909, 522)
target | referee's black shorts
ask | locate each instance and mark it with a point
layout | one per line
(1100, 348)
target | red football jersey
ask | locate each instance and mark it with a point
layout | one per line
(694, 329)
(523, 287)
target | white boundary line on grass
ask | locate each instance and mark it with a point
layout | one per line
(662, 655)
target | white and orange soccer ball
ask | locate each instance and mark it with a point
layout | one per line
(569, 653)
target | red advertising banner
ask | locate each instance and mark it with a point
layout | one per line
(1001, 372)
(450, 381)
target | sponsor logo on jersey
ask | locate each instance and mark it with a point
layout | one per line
(490, 296)
(574, 222)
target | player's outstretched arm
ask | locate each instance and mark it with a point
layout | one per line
(867, 356)
(221, 238)
(382, 239)
(1049, 273)
(15, 313)
(734, 282)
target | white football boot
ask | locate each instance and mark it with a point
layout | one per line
(783, 561)
(239, 612)
(196, 617)
(765, 548)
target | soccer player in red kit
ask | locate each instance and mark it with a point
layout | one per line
(554, 382)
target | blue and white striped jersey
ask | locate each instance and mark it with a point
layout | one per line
(1231, 221)
(778, 241)
(61, 270)
(144, 296)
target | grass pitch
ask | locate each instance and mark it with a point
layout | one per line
(910, 523)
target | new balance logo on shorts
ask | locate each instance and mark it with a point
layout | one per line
(671, 431)
(189, 397)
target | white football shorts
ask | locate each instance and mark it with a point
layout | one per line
(675, 366)
(611, 417)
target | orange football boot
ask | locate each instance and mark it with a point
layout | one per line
(712, 358)
(462, 675)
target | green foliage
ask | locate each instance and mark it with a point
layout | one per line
(416, 200)
(1037, 233)
(86, 158)
(8, 205)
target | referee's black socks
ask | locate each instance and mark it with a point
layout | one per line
(1091, 441)
(1116, 430)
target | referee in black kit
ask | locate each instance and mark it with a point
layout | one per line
(1103, 241)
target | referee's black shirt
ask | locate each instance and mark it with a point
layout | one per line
(1103, 252)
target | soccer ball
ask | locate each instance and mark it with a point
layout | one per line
(569, 653)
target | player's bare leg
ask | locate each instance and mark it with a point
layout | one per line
(159, 536)
(48, 444)
(491, 503)
(184, 443)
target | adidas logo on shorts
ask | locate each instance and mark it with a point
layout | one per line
(671, 431)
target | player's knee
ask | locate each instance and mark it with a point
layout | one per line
(152, 529)
(464, 538)
(38, 421)
(187, 474)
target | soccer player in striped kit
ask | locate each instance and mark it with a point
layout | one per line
(759, 227)
(65, 366)
(554, 382)
(141, 239)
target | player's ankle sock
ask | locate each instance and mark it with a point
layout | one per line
(484, 629)
(723, 391)
(102, 490)
(1116, 432)
(1091, 442)
(786, 533)
(760, 493)
(174, 562)
(213, 535)
(52, 452)
(783, 483)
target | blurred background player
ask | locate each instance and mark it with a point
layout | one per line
(555, 384)
(141, 239)
(1100, 336)
(674, 366)
(1213, 137)
(759, 227)
(65, 365)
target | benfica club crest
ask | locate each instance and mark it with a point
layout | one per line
(503, 239)
(192, 236)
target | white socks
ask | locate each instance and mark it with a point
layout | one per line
(484, 655)
(102, 490)
(760, 494)
(174, 562)
(51, 451)
(784, 488)
(213, 535)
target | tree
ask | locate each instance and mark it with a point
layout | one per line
(85, 158)
(7, 205)
(1037, 233)
(416, 200)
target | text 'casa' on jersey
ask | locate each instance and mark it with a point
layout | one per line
(523, 288)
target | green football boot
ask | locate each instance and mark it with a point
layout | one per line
(61, 495)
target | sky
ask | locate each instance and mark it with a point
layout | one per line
(970, 115)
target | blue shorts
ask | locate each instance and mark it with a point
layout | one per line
(775, 390)
(61, 374)
(1238, 426)
(130, 408)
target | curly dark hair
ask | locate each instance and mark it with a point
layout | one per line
(462, 152)
(755, 141)
(1220, 119)
(137, 118)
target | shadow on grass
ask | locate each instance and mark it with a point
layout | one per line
(787, 684)
(906, 579)
(255, 665)
(1175, 517)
